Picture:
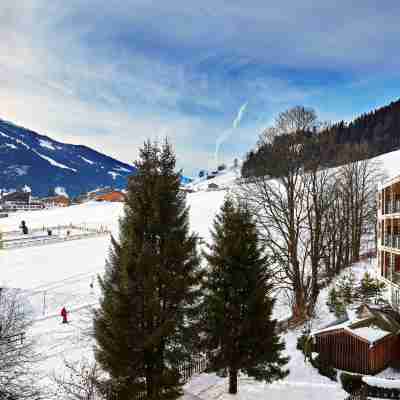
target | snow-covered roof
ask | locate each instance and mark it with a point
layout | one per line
(367, 322)
(382, 383)
(370, 333)
(331, 328)
(352, 314)
(389, 182)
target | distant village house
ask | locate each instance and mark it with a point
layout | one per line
(113, 196)
(56, 201)
(19, 200)
(213, 186)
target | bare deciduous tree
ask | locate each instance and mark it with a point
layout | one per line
(18, 379)
(288, 208)
(358, 182)
(80, 381)
(311, 218)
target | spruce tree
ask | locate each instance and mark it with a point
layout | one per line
(150, 289)
(370, 288)
(346, 288)
(240, 334)
(335, 303)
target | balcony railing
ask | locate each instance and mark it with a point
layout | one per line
(392, 241)
(392, 207)
(396, 278)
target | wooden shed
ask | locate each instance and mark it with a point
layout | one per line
(365, 344)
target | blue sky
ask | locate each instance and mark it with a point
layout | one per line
(110, 74)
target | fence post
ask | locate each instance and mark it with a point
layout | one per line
(44, 303)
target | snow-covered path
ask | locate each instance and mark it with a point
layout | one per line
(211, 387)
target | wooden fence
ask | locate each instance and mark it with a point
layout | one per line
(195, 366)
(370, 392)
(24, 241)
(16, 339)
(360, 394)
(55, 228)
(49, 240)
(186, 369)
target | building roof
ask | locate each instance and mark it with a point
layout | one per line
(389, 182)
(371, 334)
(57, 198)
(369, 323)
(17, 196)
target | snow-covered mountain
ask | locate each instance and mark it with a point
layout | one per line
(28, 158)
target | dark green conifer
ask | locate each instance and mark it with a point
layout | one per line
(370, 288)
(240, 333)
(143, 328)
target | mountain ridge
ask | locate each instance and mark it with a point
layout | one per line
(42, 163)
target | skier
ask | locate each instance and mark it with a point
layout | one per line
(64, 313)
(24, 228)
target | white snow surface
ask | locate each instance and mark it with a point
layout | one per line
(224, 179)
(54, 162)
(370, 333)
(60, 191)
(382, 383)
(87, 160)
(61, 274)
(391, 163)
(46, 144)
(122, 169)
(26, 189)
(17, 169)
(113, 174)
(10, 145)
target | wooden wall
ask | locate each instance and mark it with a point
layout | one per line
(383, 353)
(345, 351)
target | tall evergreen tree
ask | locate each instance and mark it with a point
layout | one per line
(151, 284)
(240, 332)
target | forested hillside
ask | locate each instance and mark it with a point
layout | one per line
(378, 130)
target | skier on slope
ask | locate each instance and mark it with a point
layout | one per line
(64, 313)
(24, 228)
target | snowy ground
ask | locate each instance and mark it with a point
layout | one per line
(62, 274)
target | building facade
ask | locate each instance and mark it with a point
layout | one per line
(388, 230)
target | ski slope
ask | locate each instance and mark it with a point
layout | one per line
(64, 274)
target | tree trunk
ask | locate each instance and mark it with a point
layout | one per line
(300, 304)
(233, 373)
(149, 386)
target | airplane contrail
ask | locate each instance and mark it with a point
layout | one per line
(225, 135)
(239, 116)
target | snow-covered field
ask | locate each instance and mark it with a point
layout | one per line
(64, 274)
(61, 274)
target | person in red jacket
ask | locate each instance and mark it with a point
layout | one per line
(64, 315)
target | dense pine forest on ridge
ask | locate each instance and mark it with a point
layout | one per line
(378, 131)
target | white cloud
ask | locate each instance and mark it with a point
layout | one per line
(110, 74)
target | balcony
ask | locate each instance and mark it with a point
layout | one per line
(392, 207)
(392, 241)
(394, 279)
